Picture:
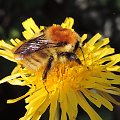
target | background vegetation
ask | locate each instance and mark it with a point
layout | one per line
(91, 16)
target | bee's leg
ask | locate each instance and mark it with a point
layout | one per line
(70, 56)
(47, 68)
(78, 46)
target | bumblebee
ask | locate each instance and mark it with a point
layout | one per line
(53, 42)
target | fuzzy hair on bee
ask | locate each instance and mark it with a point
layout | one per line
(52, 44)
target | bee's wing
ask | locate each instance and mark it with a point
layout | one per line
(37, 44)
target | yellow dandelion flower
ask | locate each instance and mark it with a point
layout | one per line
(68, 84)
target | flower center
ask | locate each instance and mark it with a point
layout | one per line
(68, 74)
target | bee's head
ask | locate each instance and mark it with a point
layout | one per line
(59, 34)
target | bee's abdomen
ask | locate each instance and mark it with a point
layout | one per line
(34, 60)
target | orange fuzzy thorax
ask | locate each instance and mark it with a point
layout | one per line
(59, 34)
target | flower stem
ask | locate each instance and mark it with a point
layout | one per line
(57, 115)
